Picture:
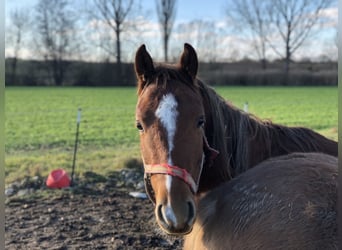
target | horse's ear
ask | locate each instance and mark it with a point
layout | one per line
(189, 61)
(143, 66)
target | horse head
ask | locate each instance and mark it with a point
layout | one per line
(170, 117)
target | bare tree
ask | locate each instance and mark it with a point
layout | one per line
(20, 21)
(294, 22)
(249, 16)
(56, 39)
(166, 10)
(114, 14)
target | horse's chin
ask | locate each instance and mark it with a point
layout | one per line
(176, 232)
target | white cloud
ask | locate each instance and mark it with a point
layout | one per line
(331, 13)
(330, 17)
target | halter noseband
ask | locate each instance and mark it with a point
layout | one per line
(181, 173)
(173, 171)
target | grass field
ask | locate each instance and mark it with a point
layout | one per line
(41, 122)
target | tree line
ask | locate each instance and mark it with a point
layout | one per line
(280, 26)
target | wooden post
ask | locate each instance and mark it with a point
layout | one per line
(78, 121)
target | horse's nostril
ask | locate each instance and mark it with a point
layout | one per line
(166, 217)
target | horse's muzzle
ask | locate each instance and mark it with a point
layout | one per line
(176, 223)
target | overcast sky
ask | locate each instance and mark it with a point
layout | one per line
(224, 44)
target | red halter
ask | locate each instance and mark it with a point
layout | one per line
(173, 171)
(181, 173)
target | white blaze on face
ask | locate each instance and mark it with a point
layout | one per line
(167, 114)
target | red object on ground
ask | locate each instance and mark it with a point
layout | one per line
(58, 178)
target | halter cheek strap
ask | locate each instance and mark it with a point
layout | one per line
(209, 151)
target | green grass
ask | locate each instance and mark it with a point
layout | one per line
(46, 117)
(41, 122)
(312, 107)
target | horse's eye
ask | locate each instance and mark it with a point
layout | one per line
(201, 122)
(139, 126)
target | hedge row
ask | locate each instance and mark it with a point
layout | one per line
(35, 73)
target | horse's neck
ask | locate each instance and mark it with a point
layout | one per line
(243, 141)
(242, 133)
(297, 139)
(250, 140)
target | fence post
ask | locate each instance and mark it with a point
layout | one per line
(78, 121)
(245, 107)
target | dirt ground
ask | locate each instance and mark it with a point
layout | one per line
(83, 218)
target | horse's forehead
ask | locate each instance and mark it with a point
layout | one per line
(169, 98)
(167, 106)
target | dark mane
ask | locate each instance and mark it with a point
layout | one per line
(241, 129)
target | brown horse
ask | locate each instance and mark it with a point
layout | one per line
(286, 202)
(192, 140)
